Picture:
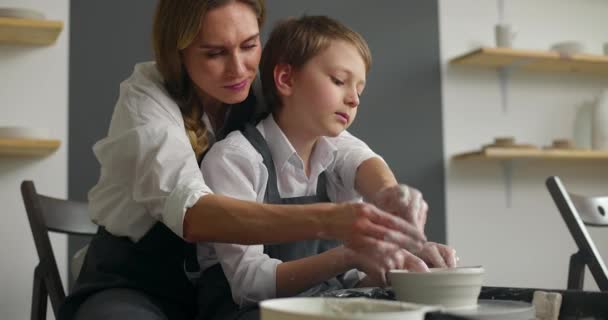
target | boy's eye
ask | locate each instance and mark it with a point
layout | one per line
(337, 81)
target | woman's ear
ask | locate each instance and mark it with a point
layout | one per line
(283, 78)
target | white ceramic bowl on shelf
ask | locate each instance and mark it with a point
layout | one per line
(451, 288)
(568, 47)
(16, 132)
(317, 308)
(22, 13)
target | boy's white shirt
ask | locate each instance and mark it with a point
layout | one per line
(234, 168)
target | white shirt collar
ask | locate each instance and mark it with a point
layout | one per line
(283, 152)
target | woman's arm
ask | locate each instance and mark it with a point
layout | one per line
(217, 218)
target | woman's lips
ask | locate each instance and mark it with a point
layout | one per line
(237, 86)
(343, 116)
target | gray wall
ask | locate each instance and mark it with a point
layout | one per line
(400, 113)
(106, 39)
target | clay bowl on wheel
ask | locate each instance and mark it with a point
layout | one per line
(451, 288)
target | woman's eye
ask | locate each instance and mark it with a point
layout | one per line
(249, 46)
(337, 81)
(213, 54)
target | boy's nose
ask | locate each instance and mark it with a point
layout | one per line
(352, 99)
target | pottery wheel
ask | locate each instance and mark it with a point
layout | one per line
(499, 310)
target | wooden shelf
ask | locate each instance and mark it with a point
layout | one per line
(28, 31)
(27, 147)
(530, 153)
(534, 60)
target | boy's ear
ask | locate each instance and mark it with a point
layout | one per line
(283, 78)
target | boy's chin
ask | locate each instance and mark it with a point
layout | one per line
(332, 133)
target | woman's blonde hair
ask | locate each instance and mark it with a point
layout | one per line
(295, 41)
(176, 25)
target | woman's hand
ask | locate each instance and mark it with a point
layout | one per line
(438, 255)
(403, 201)
(365, 228)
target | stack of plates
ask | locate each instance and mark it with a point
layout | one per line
(21, 13)
(23, 133)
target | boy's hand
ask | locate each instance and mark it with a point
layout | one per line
(377, 265)
(438, 255)
(405, 202)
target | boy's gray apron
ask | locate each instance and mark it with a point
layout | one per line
(215, 298)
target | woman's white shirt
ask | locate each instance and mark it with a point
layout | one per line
(149, 171)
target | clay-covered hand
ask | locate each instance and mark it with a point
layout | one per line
(403, 201)
(365, 228)
(438, 255)
(376, 265)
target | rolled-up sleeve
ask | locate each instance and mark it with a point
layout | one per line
(167, 178)
(149, 171)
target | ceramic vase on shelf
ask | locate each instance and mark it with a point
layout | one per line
(599, 127)
(582, 124)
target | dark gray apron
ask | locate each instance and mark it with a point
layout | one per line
(215, 298)
(154, 265)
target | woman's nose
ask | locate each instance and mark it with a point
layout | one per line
(236, 65)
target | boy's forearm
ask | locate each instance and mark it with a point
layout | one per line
(216, 218)
(299, 275)
(372, 176)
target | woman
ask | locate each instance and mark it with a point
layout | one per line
(151, 201)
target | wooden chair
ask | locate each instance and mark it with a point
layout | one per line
(50, 214)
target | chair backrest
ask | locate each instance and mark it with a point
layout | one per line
(593, 210)
(57, 215)
(588, 254)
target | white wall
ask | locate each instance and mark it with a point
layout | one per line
(526, 244)
(33, 93)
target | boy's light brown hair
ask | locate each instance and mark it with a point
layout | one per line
(297, 40)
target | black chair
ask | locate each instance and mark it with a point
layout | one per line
(579, 212)
(50, 214)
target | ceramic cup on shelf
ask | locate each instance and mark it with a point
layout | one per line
(599, 135)
(504, 34)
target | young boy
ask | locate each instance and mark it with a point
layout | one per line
(313, 72)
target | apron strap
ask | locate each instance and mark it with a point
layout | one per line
(256, 139)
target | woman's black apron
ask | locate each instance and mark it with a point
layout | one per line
(154, 265)
(215, 298)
